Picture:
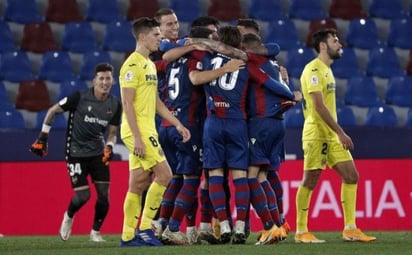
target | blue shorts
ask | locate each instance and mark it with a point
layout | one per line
(183, 158)
(266, 142)
(225, 144)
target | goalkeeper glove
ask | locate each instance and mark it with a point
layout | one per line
(107, 154)
(39, 147)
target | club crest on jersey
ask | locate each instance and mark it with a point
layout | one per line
(128, 76)
(199, 65)
(89, 108)
(253, 140)
(314, 80)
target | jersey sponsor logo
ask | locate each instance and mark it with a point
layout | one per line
(222, 104)
(314, 70)
(96, 120)
(128, 76)
(151, 77)
(314, 80)
(131, 65)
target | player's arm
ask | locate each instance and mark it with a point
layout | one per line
(177, 52)
(326, 116)
(162, 110)
(201, 77)
(40, 145)
(222, 48)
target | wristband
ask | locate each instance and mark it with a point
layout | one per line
(45, 128)
(110, 144)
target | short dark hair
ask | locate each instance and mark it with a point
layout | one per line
(322, 36)
(143, 25)
(251, 40)
(103, 67)
(249, 23)
(163, 12)
(200, 32)
(230, 35)
(204, 21)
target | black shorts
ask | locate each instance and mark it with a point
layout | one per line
(79, 168)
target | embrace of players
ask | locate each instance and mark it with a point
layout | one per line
(197, 113)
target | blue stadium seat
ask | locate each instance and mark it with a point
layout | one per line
(15, 67)
(294, 116)
(67, 87)
(90, 60)
(361, 91)
(78, 37)
(56, 66)
(11, 119)
(296, 59)
(266, 10)
(347, 66)
(346, 117)
(22, 11)
(383, 62)
(4, 100)
(118, 37)
(6, 38)
(381, 116)
(363, 34)
(103, 12)
(409, 118)
(399, 91)
(186, 11)
(400, 33)
(386, 9)
(307, 10)
(284, 33)
(60, 121)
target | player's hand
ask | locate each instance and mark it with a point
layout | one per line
(107, 154)
(39, 147)
(286, 105)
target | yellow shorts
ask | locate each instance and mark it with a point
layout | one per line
(317, 154)
(153, 152)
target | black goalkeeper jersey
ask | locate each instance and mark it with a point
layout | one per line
(88, 121)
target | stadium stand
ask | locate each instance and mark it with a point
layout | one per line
(11, 119)
(386, 9)
(284, 33)
(399, 91)
(142, 8)
(226, 11)
(63, 11)
(307, 10)
(38, 38)
(33, 96)
(400, 33)
(383, 62)
(56, 66)
(363, 34)
(381, 116)
(346, 9)
(78, 37)
(103, 13)
(361, 91)
(6, 38)
(22, 11)
(15, 66)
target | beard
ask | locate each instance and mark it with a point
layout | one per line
(334, 54)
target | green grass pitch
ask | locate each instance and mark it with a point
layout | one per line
(399, 243)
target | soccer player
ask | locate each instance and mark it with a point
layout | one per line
(92, 112)
(138, 81)
(226, 100)
(265, 112)
(187, 104)
(324, 142)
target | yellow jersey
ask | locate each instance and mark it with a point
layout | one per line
(318, 77)
(139, 73)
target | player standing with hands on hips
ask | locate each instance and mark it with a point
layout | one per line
(324, 141)
(92, 112)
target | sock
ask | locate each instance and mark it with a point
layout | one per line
(242, 197)
(226, 187)
(302, 207)
(348, 198)
(183, 203)
(153, 200)
(206, 207)
(273, 177)
(217, 196)
(131, 209)
(169, 197)
(259, 202)
(271, 201)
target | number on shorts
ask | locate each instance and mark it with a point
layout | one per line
(153, 141)
(75, 169)
(324, 148)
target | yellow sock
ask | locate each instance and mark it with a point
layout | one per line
(348, 199)
(131, 210)
(302, 207)
(153, 199)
